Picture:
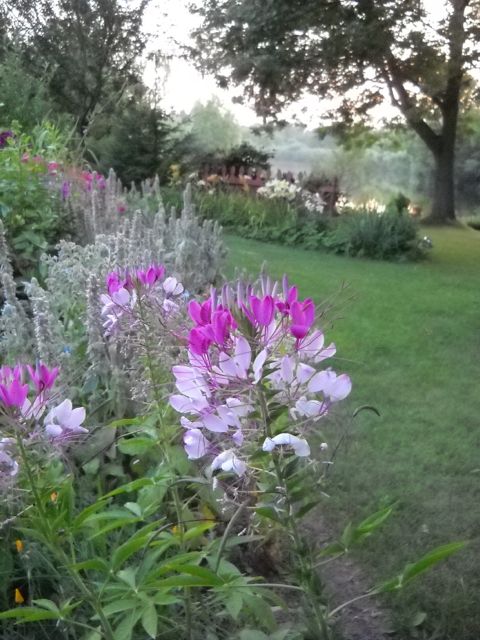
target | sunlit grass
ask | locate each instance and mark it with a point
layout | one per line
(409, 335)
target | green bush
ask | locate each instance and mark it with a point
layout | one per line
(386, 236)
(391, 235)
(30, 208)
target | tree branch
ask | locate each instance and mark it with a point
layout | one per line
(403, 101)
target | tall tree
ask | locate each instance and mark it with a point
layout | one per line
(90, 47)
(363, 50)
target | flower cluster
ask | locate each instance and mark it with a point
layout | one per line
(279, 189)
(249, 351)
(4, 136)
(25, 392)
(285, 190)
(127, 288)
(92, 179)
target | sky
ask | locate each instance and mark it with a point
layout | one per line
(169, 21)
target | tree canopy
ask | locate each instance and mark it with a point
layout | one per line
(362, 50)
(90, 47)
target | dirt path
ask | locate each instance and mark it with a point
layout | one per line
(344, 580)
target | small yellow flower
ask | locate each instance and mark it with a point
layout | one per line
(19, 545)
(53, 496)
(175, 529)
(19, 599)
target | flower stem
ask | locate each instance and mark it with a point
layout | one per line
(290, 524)
(55, 548)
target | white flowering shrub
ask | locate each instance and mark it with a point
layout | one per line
(292, 192)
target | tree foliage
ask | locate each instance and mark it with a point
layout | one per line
(363, 50)
(90, 48)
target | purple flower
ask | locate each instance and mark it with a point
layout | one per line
(196, 445)
(172, 286)
(63, 422)
(332, 386)
(65, 190)
(8, 466)
(4, 136)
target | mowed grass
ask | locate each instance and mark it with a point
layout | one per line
(409, 336)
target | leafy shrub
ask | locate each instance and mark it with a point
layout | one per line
(389, 235)
(29, 208)
(386, 236)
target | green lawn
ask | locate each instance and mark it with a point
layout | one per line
(409, 336)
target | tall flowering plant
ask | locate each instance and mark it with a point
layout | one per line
(30, 416)
(249, 352)
(252, 356)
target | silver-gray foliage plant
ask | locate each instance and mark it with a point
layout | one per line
(61, 319)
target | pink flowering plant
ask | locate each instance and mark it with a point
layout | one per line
(249, 352)
(213, 456)
(257, 379)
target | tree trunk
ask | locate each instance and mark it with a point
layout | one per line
(443, 204)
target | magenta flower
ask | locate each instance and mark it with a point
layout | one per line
(201, 314)
(261, 310)
(42, 377)
(13, 392)
(148, 277)
(303, 317)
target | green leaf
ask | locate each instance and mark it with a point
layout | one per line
(268, 512)
(198, 530)
(128, 576)
(47, 604)
(185, 581)
(163, 599)
(116, 524)
(29, 614)
(414, 569)
(372, 522)
(125, 604)
(150, 620)
(234, 604)
(210, 578)
(134, 507)
(135, 446)
(124, 629)
(431, 559)
(95, 564)
(418, 619)
(306, 508)
(122, 553)
(135, 485)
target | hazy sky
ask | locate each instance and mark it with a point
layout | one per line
(170, 21)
